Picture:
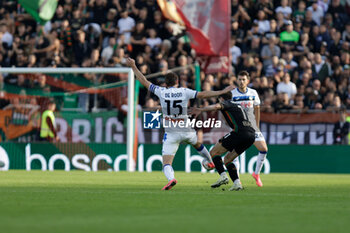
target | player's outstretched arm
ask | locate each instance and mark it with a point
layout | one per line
(139, 76)
(214, 107)
(208, 94)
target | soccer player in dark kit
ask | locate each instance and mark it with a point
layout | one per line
(236, 142)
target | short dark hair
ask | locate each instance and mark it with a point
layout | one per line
(170, 79)
(226, 96)
(244, 73)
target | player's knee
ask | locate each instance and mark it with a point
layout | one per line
(213, 153)
(227, 160)
(264, 149)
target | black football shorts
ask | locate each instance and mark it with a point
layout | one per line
(239, 142)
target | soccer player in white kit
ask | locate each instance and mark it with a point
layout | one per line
(249, 99)
(174, 102)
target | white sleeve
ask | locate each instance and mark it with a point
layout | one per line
(190, 94)
(256, 99)
(294, 89)
(154, 89)
(132, 22)
(278, 88)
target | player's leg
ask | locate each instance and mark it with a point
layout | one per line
(230, 164)
(202, 151)
(207, 160)
(240, 143)
(237, 164)
(192, 139)
(261, 145)
(232, 170)
(169, 171)
(216, 153)
(170, 146)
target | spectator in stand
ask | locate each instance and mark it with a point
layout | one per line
(339, 14)
(263, 23)
(238, 33)
(152, 40)
(299, 14)
(315, 39)
(82, 49)
(320, 69)
(99, 9)
(284, 9)
(138, 39)
(272, 69)
(273, 32)
(289, 38)
(291, 65)
(266, 6)
(126, 25)
(159, 25)
(282, 102)
(336, 104)
(58, 17)
(109, 28)
(235, 51)
(286, 86)
(41, 84)
(317, 12)
(346, 33)
(93, 32)
(107, 52)
(120, 57)
(298, 102)
(269, 51)
(77, 21)
(316, 86)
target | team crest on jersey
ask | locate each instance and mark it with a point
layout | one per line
(151, 120)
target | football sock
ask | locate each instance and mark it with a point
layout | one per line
(236, 163)
(232, 171)
(204, 153)
(260, 161)
(168, 172)
(218, 164)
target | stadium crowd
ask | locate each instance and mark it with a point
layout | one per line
(297, 52)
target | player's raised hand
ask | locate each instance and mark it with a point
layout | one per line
(228, 88)
(195, 112)
(130, 62)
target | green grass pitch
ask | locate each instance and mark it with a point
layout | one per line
(124, 202)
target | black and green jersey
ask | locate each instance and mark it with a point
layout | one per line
(235, 116)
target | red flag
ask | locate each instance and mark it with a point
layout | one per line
(208, 24)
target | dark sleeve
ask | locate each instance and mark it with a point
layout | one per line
(224, 105)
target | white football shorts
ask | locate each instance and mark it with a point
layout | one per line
(171, 141)
(259, 136)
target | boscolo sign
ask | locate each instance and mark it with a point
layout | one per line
(112, 157)
(94, 157)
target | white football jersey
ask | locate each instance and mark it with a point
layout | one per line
(174, 101)
(247, 100)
